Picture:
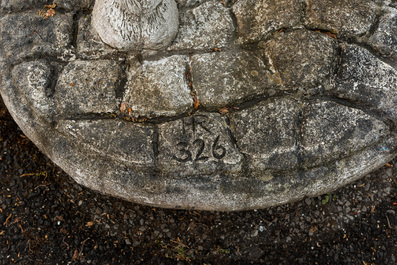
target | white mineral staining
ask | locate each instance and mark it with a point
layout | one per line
(257, 18)
(136, 24)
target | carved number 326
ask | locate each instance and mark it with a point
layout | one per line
(218, 151)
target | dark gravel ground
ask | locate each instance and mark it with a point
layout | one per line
(46, 218)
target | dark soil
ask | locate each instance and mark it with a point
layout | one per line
(46, 218)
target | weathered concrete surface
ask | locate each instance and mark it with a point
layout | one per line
(228, 114)
(35, 80)
(256, 19)
(268, 134)
(347, 18)
(113, 138)
(192, 3)
(302, 58)
(331, 131)
(8, 6)
(159, 88)
(384, 40)
(27, 35)
(365, 79)
(229, 78)
(82, 87)
(208, 26)
(198, 145)
(88, 43)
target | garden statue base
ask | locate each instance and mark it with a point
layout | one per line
(205, 104)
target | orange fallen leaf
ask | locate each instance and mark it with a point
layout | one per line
(49, 13)
(89, 224)
(50, 6)
(223, 111)
(196, 102)
(123, 106)
(332, 35)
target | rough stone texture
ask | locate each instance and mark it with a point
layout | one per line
(348, 18)
(384, 39)
(367, 80)
(27, 34)
(35, 80)
(159, 88)
(89, 43)
(20, 5)
(136, 24)
(228, 78)
(189, 3)
(198, 145)
(302, 113)
(336, 131)
(122, 141)
(302, 58)
(268, 134)
(256, 19)
(192, 3)
(83, 88)
(207, 26)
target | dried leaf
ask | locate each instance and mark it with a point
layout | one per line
(50, 6)
(196, 102)
(123, 106)
(223, 111)
(49, 13)
(332, 35)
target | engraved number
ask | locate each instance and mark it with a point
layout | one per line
(186, 155)
(201, 146)
(218, 151)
